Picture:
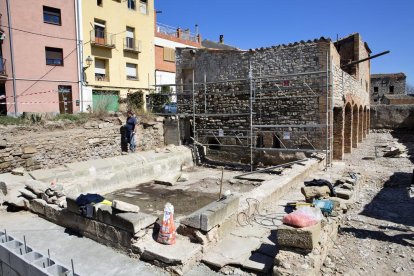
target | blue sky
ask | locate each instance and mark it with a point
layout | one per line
(383, 24)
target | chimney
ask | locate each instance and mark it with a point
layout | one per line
(221, 40)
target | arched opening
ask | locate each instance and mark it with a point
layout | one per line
(348, 129)
(368, 120)
(276, 142)
(360, 124)
(213, 143)
(338, 133)
(259, 140)
(355, 123)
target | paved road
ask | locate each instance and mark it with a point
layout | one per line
(89, 257)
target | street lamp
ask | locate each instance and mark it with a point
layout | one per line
(89, 61)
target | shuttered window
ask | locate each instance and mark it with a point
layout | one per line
(100, 67)
(54, 56)
(131, 71)
(169, 54)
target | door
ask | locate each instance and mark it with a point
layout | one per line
(105, 100)
(65, 99)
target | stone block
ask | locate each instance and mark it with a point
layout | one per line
(133, 222)
(38, 206)
(72, 206)
(37, 187)
(29, 150)
(345, 194)
(103, 213)
(312, 192)
(18, 171)
(304, 238)
(27, 194)
(124, 206)
(213, 214)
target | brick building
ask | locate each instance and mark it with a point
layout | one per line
(383, 85)
(277, 101)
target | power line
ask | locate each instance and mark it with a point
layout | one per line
(39, 34)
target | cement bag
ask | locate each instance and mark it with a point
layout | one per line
(167, 231)
(303, 217)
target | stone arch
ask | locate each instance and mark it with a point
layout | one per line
(355, 122)
(360, 124)
(338, 133)
(348, 128)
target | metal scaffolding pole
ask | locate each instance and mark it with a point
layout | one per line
(251, 114)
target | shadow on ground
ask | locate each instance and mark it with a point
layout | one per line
(393, 203)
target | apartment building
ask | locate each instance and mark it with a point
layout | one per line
(118, 51)
(167, 40)
(39, 68)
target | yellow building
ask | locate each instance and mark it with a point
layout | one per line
(118, 50)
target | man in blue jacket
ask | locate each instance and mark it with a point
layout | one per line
(130, 128)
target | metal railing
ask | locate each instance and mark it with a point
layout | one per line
(101, 77)
(102, 38)
(3, 67)
(176, 32)
(133, 45)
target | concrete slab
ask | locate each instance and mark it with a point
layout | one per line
(87, 255)
(133, 222)
(49, 174)
(231, 250)
(182, 252)
(259, 263)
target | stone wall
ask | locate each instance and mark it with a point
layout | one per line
(381, 85)
(35, 147)
(392, 116)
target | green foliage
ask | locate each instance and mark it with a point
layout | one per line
(157, 100)
(8, 120)
(135, 100)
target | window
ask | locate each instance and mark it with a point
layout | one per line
(51, 15)
(100, 32)
(169, 54)
(391, 89)
(131, 4)
(99, 3)
(143, 6)
(54, 56)
(131, 71)
(130, 41)
(376, 89)
(100, 70)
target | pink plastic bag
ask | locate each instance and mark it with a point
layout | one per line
(303, 217)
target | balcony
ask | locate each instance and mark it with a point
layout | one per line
(3, 73)
(178, 33)
(132, 45)
(101, 77)
(102, 39)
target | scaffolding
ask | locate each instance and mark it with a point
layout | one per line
(255, 100)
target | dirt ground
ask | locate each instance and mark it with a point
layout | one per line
(377, 236)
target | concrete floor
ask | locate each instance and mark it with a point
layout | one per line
(89, 257)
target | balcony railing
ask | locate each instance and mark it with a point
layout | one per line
(176, 32)
(101, 77)
(102, 39)
(3, 67)
(132, 45)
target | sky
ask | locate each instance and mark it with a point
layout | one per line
(383, 24)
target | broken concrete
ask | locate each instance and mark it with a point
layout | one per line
(124, 206)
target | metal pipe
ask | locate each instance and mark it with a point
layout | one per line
(365, 59)
(251, 114)
(288, 150)
(327, 108)
(273, 167)
(282, 126)
(79, 51)
(12, 56)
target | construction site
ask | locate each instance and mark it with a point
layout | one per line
(273, 164)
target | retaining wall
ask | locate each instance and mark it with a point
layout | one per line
(35, 147)
(392, 116)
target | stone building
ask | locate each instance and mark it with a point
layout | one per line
(269, 103)
(383, 85)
